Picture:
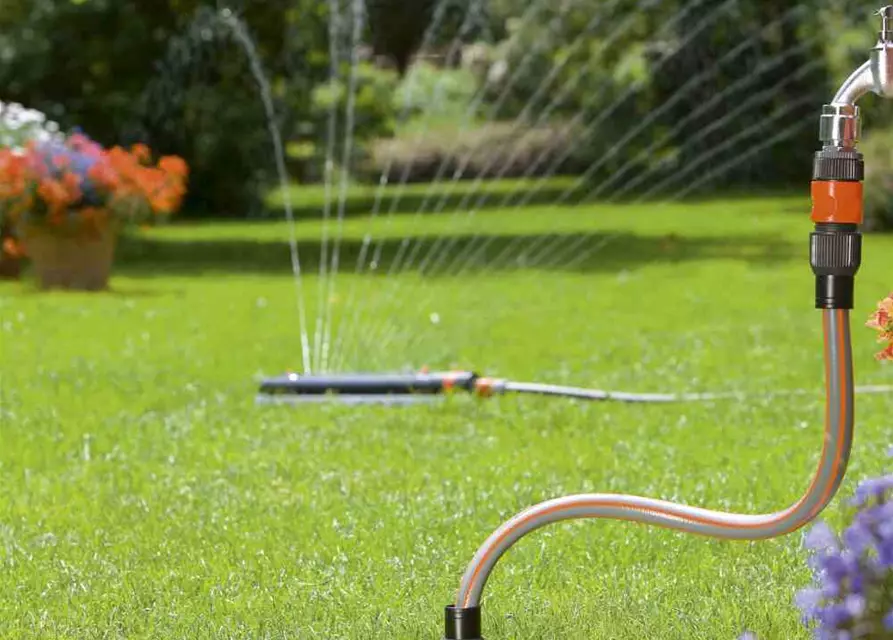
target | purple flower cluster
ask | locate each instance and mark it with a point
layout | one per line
(77, 156)
(852, 596)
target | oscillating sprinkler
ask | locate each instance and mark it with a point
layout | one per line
(835, 256)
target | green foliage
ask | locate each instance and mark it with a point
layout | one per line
(397, 27)
(374, 102)
(493, 150)
(647, 80)
(169, 73)
(878, 151)
(435, 93)
(622, 64)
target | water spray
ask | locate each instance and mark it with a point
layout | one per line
(835, 257)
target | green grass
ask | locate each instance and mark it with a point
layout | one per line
(310, 200)
(146, 496)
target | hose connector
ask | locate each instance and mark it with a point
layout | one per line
(835, 246)
(840, 126)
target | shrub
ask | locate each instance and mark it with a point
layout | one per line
(436, 93)
(374, 110)
(878, 150)
(497, 149)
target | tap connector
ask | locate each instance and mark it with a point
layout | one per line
(841, 126)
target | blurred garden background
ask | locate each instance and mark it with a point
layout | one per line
(612, 193)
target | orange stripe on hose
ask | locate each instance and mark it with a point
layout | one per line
(837, 201)
(838, 458)
(841, 375)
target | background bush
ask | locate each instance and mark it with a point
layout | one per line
(878, 151)
(498, 149)
(169, 73)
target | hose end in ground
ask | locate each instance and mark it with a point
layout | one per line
(462, 623)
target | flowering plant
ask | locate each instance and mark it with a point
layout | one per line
(19, 125)
(54, 182)
(882, 321)
(853, 592)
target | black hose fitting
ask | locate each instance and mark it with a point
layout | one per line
(835, 253)
(462, 623)
(832, 164)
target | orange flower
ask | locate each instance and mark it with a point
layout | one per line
(141, 153)
(882, 321)
(13, 175)
(58, 195)
(52, 192)
(104, 176)
(72, 184)
(12, 248)
(174, 166)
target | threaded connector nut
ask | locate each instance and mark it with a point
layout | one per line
(847, 166)
(835, 253)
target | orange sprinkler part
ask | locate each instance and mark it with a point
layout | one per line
(484, 387)
(836, 201)
(450, 379)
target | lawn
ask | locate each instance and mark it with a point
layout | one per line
(145, 495)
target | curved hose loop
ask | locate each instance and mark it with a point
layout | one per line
(832, 466)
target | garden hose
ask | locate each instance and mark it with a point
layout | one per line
(835, 257)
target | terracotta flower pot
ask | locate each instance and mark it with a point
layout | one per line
(10, 266)
(79, 260)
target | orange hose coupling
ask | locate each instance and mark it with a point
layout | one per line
(837, 202)
(485, 387)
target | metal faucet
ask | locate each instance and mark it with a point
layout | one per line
(841, 125)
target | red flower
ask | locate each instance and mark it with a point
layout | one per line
(886, 354)
(882, 321)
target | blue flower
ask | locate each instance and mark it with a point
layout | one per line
(888, 621)
(809, 601)
(821, 537)
(872, 489)
(77, 160)
(852, 572)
